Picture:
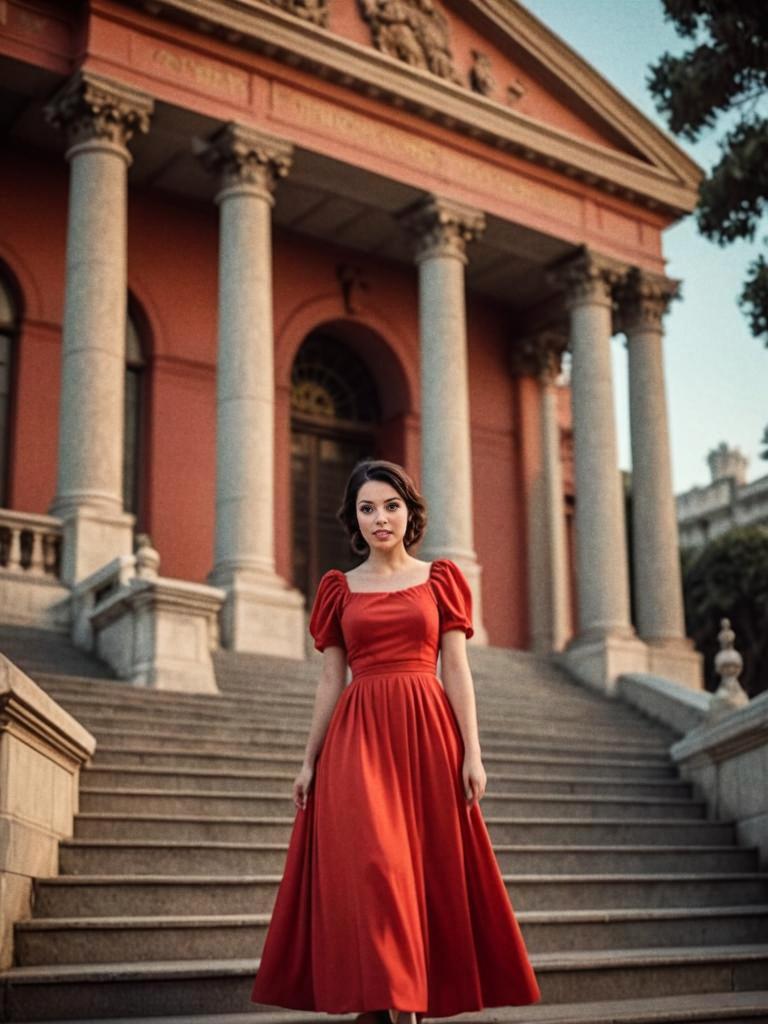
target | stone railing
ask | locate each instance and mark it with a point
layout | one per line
(723, 749)
(30, 543)
(31, 593)
(153, 631)
(42, 749)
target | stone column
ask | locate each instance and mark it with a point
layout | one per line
(606, 643)
(99, 117)
(539, 356)
(644, 299)
(442, 229)
(261, 613)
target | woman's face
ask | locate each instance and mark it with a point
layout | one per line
(382, 515)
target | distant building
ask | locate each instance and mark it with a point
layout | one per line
(704, 513)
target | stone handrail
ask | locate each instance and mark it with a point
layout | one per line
(30, 543)
(42, 749)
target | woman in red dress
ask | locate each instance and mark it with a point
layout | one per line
(392, 895)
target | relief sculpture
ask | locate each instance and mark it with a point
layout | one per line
(413, 31)
(315, 11)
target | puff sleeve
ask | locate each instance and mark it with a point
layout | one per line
(454, 598)
(325, 620)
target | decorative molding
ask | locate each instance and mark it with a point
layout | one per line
(643, 299)
(245, 157)
(481, 75)
(91, 107)
(314, 11)
(540, 354)
(413, 31)
(441, 227)
(668, 180)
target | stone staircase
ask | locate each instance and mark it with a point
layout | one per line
(634, 906)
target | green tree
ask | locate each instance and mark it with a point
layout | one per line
(724, 72)
(729, 578)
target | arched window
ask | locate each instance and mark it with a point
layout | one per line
(133, 434)
(9, 328)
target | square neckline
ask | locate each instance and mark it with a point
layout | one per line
(402, 590)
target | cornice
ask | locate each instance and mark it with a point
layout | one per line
(585, 82)
(260, 27)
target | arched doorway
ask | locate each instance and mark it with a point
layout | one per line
(134, 410)
(335, 411)
(9, 331)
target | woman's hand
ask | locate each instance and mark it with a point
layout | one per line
(301, 785)
(474, 778)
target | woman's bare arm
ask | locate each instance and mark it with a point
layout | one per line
(333, 678)
(457, 680)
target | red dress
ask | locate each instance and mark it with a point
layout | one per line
(391, 894)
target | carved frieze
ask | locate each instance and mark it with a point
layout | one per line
(413, 31)
(315, 11)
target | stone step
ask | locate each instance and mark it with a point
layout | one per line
(166, 755)
(269, 741)
(105, 775)
(514, 804)
(82, 940)
(233, 828)
(105, 896)
(712, 1008)
(191, 987)
(596, 854)
(256, 729)
(206, 721)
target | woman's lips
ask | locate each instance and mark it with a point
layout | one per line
(382, 533)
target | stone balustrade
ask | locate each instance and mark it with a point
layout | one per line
(151, 630)
(42, 749)
(31, 592)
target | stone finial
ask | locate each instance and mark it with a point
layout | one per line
(730, 694)
(147, 558)
(245, 156)
(540, 354)
(643, 299)
(726, 463)
(585, 278)
(91, 107)
(441, 227)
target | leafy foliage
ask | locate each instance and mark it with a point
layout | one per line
(724, 71)
(728, 578)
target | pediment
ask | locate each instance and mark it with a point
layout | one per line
(499, 50)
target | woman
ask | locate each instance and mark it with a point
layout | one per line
(391, 895)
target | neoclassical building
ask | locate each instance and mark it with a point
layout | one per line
(245, 243)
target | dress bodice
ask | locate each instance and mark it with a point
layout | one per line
(382, 628)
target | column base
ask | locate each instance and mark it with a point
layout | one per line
(92, 538)
(676, 659)
(261, 615)
(598, 661)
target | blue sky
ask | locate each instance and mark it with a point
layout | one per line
(716, 372)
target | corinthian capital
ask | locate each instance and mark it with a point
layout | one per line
(586, 278)
(93, 108)
(246, 156)
(644, 298)
(441, 227)
(540, 354)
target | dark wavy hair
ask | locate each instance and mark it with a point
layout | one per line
(390, 473)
